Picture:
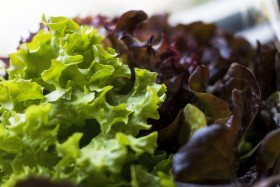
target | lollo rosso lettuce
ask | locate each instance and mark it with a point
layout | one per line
(71, 111)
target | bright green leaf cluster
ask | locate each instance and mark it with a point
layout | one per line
(70, 111)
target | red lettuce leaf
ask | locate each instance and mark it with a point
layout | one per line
(208, 157)
(169, 137)
(265, 69)
(268, 154)
(241, 78)
(214, 107)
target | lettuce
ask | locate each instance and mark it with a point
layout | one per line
(82, 117)
(215, 85)
(72, 111)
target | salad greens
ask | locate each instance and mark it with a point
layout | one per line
(70, 111)
(233, 86)
(80, 108)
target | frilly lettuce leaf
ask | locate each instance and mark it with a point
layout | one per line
(13, 96)
(71, 111)
(104, 158)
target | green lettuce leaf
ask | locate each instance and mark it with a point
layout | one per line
(195, 118)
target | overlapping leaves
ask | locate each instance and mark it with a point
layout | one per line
(71, 111)
(210, 117)
(195, 62)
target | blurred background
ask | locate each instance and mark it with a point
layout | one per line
(243, 17)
